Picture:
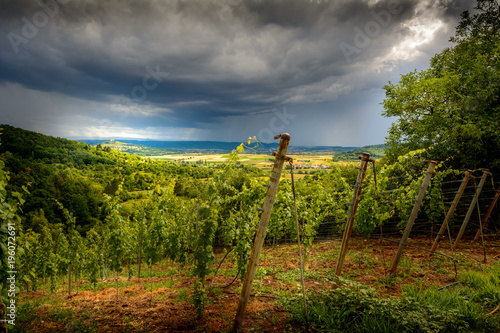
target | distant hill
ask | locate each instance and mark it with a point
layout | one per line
(35, 146)
(154, 148)
(76, 175)
(375, 151)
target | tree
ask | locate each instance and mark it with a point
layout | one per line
(453, 108)
(112, 186)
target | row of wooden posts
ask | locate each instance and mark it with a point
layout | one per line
(272, 188)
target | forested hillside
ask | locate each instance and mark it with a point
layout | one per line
(375, 151)
(58, 171)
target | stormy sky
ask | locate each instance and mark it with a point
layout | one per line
(219, 70)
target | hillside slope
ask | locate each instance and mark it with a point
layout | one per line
(61, 173)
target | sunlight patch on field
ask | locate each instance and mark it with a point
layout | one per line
(263, 161)
(190, 158)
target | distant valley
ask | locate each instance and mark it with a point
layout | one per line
(160, 148)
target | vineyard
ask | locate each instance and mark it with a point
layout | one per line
(190, 253)
(159, 236)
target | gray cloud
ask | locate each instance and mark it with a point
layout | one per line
(191, 64)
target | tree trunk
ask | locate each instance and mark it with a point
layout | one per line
(117, 286)
(140, 256)
(27, 282)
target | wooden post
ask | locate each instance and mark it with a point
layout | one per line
(471, 207)
(140, 246)
(197, 215)
(69, 279)
(413, 216)
(452, 209)
(71, 259)
(196, 224)
(352, 212)
(487, 216)
(298, 243)
(262, 229)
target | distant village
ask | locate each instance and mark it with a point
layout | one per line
(314, 166)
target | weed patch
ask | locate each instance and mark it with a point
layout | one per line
(362, 309)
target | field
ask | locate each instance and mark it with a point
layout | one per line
(259, 160)
(304, 163)
(168, 308)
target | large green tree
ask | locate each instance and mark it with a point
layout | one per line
(453, 108)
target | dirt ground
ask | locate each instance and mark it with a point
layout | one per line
(168, 309)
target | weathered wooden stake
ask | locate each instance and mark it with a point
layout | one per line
(262, 229)
(471, 207)
(140, 247)
(70, 262)
(413, 216)
(352, 212)
(487, 216)
(298, 243)
(69, 279)
(481, 231)
(197, 215)
(454, 205)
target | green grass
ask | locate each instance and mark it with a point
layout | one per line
(362, 259)
(182, 295)
(387, 281)
(486, 283)
(26, 315)
(98, 286)
(363, 309)
(83, 324)
(228, 271)
(325, 256)
(290, 276)
(148, 286)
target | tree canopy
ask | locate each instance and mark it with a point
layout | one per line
(452, 109)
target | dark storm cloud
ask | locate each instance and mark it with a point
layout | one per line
(192, 63)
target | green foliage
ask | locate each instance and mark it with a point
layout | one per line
(154, 240)
(118, 241)
(27, 269)
(396, 189)
(362, 309)
(203, 255)
(92, 255)
(486, 284)
(25, 315)
(9, 228)
(453, 107)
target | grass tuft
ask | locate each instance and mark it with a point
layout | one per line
(362, 309)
